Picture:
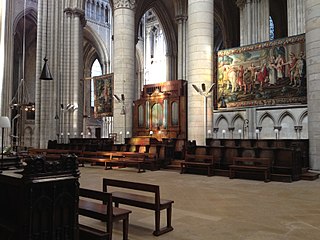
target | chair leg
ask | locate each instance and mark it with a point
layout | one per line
(157, 221)
(169, 214)
(125, 227)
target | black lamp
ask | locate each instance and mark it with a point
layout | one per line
(46, 74)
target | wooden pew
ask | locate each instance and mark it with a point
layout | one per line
(95, 157)
(141, 200)
(251, 165)
(102, 211)
(124, 159)
(45, 151)
(197, 161)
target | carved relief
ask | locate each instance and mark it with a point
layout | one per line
(131, 4)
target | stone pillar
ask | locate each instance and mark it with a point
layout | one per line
(44, 116)
(254, 21)
(77, 62)
(182, 52)
(296, 17)
(313, 77)
(60, 39)
(6, 60)
(200, 67)
(6, 57)
(124, 62)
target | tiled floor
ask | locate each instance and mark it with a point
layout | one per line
(219, 208)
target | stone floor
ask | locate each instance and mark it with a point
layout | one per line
(218, 207)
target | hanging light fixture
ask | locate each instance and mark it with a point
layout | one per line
(46, 74)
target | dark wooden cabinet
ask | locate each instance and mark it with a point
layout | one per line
(41, 201)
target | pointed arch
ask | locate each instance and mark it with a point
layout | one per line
(286, 114)
(235, 118)
(94, 48)
(168, 28)
(264, 116)
(30, 12)
(219, 119)
(302, 116)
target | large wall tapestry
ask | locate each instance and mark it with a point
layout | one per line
(267, 73)
(103, 95)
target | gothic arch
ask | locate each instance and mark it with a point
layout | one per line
(234, 119)
(302, 116)
(30, 12)
(266, 115)
(219, 119)
(94, 48)
(285, 114)
(30, 26)
(167, 25)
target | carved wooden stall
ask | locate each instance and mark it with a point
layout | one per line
(40, 202)
(161, 112)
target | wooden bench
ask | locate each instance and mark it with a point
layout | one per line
(139, 160)
(95, 157)
(141, 200)
(251, 164)
(102, 211)
(198, 161)
(44, 151)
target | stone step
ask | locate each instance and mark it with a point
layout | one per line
(309, 176)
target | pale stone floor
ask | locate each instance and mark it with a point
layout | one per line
(217, 207)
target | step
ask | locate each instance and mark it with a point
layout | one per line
(309, 176)
(281, 177)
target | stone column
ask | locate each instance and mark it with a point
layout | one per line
(77, 62)
(124, 62)
(313, 77)
(60, 39)
(296, 17)
(44, 88)
(6, 49)
(200, 67)
(254, 21)
(6, 60)
(182, 51)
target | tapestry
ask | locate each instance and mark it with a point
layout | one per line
(103, 95)
(267, 73)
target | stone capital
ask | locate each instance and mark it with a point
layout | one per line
(181, 18)
(241, 3)
(76, 12)
(298, 128)
(130, 4)
(68, 12)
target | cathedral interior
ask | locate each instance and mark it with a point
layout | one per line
(195, 74)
